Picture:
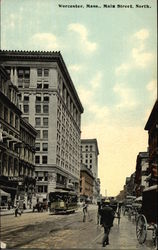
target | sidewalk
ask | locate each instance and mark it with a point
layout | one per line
(122, 237)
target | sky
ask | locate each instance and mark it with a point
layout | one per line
(110, 54)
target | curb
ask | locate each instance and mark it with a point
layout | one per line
(5, 213)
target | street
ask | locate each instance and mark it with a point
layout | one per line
(41, 230)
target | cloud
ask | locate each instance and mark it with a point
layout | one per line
(142, 34)
(83, 35)
(141, 58)
(75, 68)
(45, 41)
(88, 91)
(138, 57)
(123, 68)
(88, 94)
(126, 95)
(152, 88)
(95, 82)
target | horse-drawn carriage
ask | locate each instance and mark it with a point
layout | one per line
(147, 219)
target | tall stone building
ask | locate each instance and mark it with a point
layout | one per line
(17, 145)
(89, 157)
(49, 101)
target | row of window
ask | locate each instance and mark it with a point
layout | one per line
(39, 98)
(86, 161)
(42, 72)
(87, 148)
(73, 111)
(43, 159)
(38, 121)
(43, 147)
(44, 134)
(26, 83)
(8, 90)
(24, 72)
(42, 189)
(87, 155)
(9, 116)
(38, 109)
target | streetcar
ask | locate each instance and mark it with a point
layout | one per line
(62, 201)
(147, 219)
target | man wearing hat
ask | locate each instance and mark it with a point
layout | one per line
(107, 217)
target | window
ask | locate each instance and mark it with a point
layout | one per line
(39, 72)
(90, 161)
(5, 114)
(45, 121)
(39, 85)
(45, 85)
(38, 109)
(26, 108)
(45, 134)
(37, 159)
(37, 146)
(26, 118)
(38, 98)
(23, 73)
(37, 121)
(44, 159)
(11, 119)
(46, 72)
(16, 122)
(20, 73)
(42, 189)
(46, 98)
(45, 146)
(45, 108)
(26, 98)
(26, 73)
(19, 96)
(38, 134)
(20, 83)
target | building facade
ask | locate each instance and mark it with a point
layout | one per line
(89, 157)
(86, 183)
(141, 172)
(49, 101)
(129, 187)
(152, 128)
(13, 172)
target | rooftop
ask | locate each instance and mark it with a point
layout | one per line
(46, 56)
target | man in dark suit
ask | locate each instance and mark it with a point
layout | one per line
(107, 217)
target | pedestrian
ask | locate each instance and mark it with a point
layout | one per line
(17, 210)
(85, 210)
(107, 217)
(98, 212)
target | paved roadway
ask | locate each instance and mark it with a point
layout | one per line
(41, 230)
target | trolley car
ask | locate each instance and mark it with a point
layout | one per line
(62, 201)
(147, 219)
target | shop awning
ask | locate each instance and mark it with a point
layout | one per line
(3, 193)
